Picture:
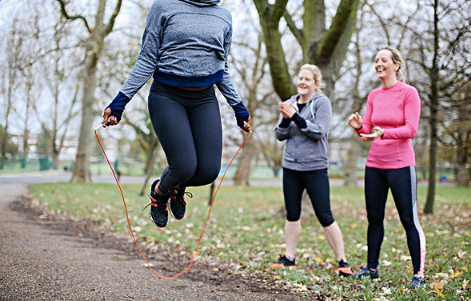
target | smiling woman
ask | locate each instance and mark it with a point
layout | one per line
(393, 113)
(304, 124)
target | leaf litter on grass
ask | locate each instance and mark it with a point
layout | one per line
(245, 235)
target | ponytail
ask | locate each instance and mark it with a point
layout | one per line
(397, 59)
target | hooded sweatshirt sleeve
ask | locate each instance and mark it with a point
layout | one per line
(225, 86)
(147, 59)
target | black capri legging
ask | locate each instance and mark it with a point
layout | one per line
(316, 183)
(188, 126)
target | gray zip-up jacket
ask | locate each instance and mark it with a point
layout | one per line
(187, 40)
(307, 149)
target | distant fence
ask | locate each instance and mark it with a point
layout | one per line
(23, 164)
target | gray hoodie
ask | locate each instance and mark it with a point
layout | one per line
(185, 39)
(307, 149)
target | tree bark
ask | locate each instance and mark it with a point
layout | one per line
(151, 156)
(462, 175)
(241, 177)
(270, 16)
(434, 77)
(332, 49)
(82, 172)
(463, 135)
(351, 168)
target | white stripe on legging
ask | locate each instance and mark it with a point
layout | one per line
(413, 178)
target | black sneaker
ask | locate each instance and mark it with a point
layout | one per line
(177, 204)
(284, 262)
(417, 281)
(344, 269)
(158, 209)
(364, 272)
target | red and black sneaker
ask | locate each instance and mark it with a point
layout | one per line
(284, 262)
(158, 207)
(177, 204)
(344, 269)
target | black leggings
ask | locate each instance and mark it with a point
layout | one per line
(403, 184)
(316, 183)
(188, 126)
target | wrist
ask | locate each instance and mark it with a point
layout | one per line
(357, 129)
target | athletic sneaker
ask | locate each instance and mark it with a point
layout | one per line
(364, 272)
(158, 209)
(177, 204)
(284, 262)
(418, 281)
(344, 269)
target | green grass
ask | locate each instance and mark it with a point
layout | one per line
(245, 230)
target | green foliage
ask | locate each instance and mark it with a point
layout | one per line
(246, 231)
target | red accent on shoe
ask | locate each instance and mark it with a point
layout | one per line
(346, 271)
(280, 265)
(153, 202)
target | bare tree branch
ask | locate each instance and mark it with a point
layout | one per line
(74, 17)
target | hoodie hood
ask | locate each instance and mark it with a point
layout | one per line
(202, 2)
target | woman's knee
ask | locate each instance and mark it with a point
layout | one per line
(184, 172)
(325, 219)
(375, 218)
(293, 215)
(208, 175)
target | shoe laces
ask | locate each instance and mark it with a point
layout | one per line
(176, 192)
(154, 203)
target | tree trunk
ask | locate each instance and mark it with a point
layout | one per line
(26, 130)
(434, 78)
(5, 135)
(241, 177)
(354, 152)
(94, 47)
(82, 172)
(150, 161)
(270, 16)
(428, 209)
(462, 176)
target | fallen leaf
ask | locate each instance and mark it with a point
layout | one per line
(438, 292)
(465, 284)
(460, 254)
(455, 274)
(405, 258)
(438, 285)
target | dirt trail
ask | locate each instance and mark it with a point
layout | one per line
(44, 259)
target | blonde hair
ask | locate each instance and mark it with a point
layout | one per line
(397, 59)
(317, 74)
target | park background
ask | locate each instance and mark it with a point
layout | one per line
(62, 62)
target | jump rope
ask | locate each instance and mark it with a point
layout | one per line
(207, 219)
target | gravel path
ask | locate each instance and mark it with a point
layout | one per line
(51, 259)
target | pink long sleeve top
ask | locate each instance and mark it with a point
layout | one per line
(397, 111)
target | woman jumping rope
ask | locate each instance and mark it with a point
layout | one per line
(392, 113)
(185, 47)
